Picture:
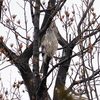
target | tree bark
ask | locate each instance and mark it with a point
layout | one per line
(22, 64)
(0, 8)
(63, 69)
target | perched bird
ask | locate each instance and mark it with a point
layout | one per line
(49, 45)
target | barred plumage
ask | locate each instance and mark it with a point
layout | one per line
(49, 45)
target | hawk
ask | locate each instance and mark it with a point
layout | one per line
(49, 45)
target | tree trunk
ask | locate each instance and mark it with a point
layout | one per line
(61, 77)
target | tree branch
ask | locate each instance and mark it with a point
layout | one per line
(60, 39)
(85, 79)
(21, 64)
(11, 55)
(27, 54)
(84, 16)
(49, 16)
(1, 1)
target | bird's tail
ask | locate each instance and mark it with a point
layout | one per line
(45, 64)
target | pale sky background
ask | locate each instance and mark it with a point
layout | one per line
(10, 74)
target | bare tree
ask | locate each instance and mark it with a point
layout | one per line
(76, 71)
